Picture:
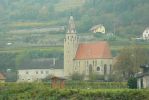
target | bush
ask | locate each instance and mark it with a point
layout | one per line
(94, 85)
(132, 83)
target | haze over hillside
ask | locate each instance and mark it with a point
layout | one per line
(123, 17)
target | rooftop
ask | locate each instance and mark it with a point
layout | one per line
(98, 50)
(41, 63)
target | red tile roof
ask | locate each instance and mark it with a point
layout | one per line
(2, 76)
(98, 50)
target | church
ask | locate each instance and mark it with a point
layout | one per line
(85, 58)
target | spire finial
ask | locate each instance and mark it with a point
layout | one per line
(71, 25)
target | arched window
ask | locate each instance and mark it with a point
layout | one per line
(110, 68)
(79, 63)
(98, 68)
(90, 69)
(105, 69)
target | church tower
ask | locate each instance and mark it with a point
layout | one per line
(70, 46)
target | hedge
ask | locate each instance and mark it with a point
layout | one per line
(39, 91)
(95, 85)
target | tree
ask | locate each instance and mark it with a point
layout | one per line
(132, 83)
(129, 60)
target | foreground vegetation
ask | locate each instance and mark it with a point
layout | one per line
(40, 91)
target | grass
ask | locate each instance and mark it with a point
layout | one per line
(32, 24)
(45, 38)
(114, 45)
(21, 49)
(68, 4)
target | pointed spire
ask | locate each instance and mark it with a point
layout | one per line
(71, 26)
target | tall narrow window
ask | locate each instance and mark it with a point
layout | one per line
(110, 68)
(105, 69)
(90, 69)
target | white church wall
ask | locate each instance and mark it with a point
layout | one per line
(82, 66)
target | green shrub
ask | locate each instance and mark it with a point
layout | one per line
(94, 85)
(132, 83)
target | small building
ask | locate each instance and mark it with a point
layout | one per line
(145, 34)
(143, 78)
(38, 69)
(2, 78)
(30, 75)
(57, 82)
(98, 28)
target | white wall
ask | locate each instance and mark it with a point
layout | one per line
(82, 66)
(146, 34)
(30, 75)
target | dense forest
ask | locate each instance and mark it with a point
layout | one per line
(121, 17)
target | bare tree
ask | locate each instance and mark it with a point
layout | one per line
(128, 61)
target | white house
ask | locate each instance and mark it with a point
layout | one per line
(38, 69)
(145, 34)
(98, 28)
(30, 75)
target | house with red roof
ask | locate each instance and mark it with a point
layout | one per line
(85, 58)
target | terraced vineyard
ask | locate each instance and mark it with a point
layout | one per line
(68, 4)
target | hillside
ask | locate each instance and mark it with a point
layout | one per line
(36, 13)
(25, 22)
